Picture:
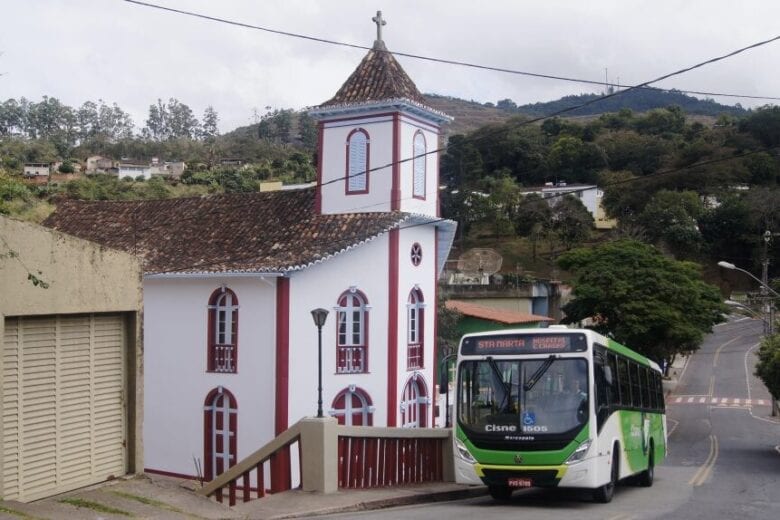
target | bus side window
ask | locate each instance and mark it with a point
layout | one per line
(625, 382)
(659, 392)
(636, 395)
(643, 379)
(651, 388)
(614, 391)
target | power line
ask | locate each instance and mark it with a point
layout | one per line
(438, 60)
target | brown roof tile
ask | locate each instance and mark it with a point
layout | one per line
(253, 232)
(379, 77)
(497, 315)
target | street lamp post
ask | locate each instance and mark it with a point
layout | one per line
(765, 290)
(319, 315)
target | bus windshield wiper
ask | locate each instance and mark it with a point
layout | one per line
(507, 388)
(538, 374)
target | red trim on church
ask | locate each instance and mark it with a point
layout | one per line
(280, 464)
(395, 191)
(434, 319)
(392, 328)
(318, 192)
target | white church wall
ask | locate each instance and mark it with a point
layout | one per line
(364, 268)
(334, 157)
(175, 377)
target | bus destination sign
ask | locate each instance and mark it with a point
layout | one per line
(510, 344)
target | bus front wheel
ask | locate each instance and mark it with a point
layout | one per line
(605, 493)
(500, 492)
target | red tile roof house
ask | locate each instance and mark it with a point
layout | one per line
(479, 318)
(230, 282)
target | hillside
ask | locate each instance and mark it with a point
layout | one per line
(470, 115)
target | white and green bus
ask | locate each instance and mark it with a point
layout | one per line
(556, 407)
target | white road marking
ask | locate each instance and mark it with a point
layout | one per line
(679, 399)
(702, 399)
(690, 400)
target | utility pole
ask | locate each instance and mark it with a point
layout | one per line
(769, 308)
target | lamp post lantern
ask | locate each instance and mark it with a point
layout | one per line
(319, 316)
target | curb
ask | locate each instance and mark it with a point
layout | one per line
(386, 503)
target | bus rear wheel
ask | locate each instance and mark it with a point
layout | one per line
(502, 493)
(605, 493)
(645, 479)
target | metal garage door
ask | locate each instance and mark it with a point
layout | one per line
(63, 403)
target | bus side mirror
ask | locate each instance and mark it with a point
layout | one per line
(608, 376)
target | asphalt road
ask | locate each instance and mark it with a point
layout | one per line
(724, 459)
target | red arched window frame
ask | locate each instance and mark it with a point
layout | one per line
(358, 152)
(415, 403)
(352, 333)
(415, 336)
(419, 165)
(220, 432)
(222, 353)
(353, 407)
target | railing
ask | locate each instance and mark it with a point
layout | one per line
(351, 360)
(378, 457)
(346, 457)
(222, 358)
(414, 354)
(276, 450)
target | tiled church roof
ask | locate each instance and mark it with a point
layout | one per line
(253, 232)
(378, 77)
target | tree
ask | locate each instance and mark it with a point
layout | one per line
(182, 123)
(157, 126)
(533, 219)
(656, 305)
(573, 160)
(209, 129)
(768, 366)
(571, 221)
(670, 218)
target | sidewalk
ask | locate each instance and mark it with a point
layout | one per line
(156, 496)
(676, 371)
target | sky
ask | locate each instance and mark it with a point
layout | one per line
(80, 50)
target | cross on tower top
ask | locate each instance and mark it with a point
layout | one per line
(379, 23)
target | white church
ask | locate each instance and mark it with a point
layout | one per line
(230, 347)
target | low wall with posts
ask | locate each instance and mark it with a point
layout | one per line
(346, 457)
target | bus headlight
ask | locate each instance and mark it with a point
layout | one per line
(463, 452)
(579, 453)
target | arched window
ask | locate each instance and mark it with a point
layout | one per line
(220, 428)
(418, 175)
(415, 330)
(223, 331)
(415, 403)
(357, 162)
(352, 407)
(352, 333)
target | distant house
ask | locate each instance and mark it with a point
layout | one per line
(37, 170)
(98, 164)
(479, 318)
(230, 161)
(131, 168)
(590, 195)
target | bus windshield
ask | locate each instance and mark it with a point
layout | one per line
(527, 397)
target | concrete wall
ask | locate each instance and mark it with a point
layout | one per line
(81, 277)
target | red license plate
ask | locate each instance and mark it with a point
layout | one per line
(519, 482)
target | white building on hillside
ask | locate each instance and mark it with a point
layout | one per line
(589, 194)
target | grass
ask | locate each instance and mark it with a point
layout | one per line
(95, 506)
(154, 503)
(19, 514)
